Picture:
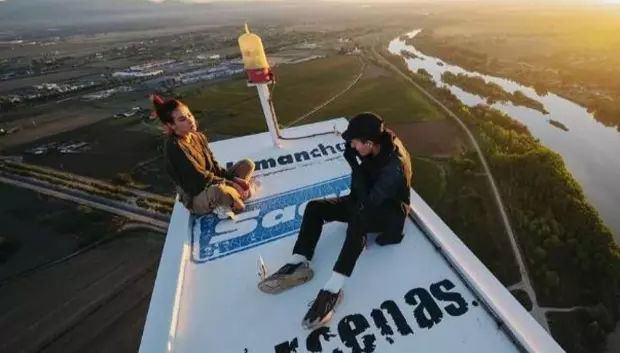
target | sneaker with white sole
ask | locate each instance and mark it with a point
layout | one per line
(322, 309)
(288, 276)
(224, 212)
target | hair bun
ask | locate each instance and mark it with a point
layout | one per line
(157, 100)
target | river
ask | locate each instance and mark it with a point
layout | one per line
(591, 151)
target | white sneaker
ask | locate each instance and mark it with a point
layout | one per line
(224, 212)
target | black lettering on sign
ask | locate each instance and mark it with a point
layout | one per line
(287, 347)
(397, 316)
(303, 154)
(265, 164)
(315, 153)
(286, 159)
(327, 149)
(341, 146)
(444, 294)
(348, 334)
(426, 311)
(313, 342)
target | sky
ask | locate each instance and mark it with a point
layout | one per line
(204, 1)
(383, 1)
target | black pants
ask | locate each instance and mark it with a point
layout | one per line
(341, 209)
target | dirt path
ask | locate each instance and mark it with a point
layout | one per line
(562, 310)
(536, 311)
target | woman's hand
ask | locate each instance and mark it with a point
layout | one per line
(242, 187)
(242, 182)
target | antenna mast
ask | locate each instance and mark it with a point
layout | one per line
(260, 75)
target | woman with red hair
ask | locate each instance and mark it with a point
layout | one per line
(203, 185)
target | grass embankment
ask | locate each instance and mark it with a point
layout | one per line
(49, 227)
(571, 255)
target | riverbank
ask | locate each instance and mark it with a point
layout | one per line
(491, 91)
(566, 244)
(576, 59)
(587, 149)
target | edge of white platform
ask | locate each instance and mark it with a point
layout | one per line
(520, 325)
(160, 328)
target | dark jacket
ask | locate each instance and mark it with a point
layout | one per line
(191, 164)
(383, 182)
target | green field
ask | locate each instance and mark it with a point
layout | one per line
(232, 108)
(429, 180)
(387, 96)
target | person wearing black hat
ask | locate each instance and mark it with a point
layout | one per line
(378, 202)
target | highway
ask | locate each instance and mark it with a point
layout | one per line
(155, 219)
(12, 161)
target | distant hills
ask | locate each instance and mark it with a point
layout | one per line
(20, 14)
(25, 14)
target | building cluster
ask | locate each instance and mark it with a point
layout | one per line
(67, 147)
(107, 92)
(150, 69)
(223, 70)
(46, 90)
(141, 112)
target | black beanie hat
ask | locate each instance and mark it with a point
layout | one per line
(364, 126)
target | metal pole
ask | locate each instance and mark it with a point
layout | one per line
(263, 93)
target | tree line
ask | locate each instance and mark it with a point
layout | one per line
(569, 251)
(491, 91)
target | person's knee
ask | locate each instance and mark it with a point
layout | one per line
(224, 195)
(313, 209)
(249, 165)
(356, 230)
(245, 168)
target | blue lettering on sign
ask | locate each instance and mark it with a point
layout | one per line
(263, 221)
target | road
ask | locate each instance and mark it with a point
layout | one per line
(112, 206)
(537, 312)
(57, 173)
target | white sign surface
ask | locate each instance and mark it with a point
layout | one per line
(401, 298)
